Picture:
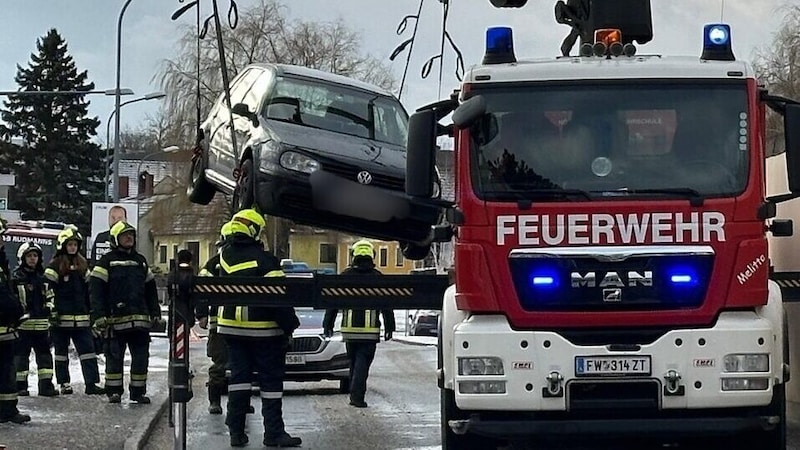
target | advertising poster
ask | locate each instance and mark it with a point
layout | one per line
(104, 215)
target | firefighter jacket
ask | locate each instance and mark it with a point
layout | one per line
(71, 295)
(361, 324)
(244, 257)
(212, 268)
(35, 296)
(123, 291)
(10, 307)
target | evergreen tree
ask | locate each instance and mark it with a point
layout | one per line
(59, 172)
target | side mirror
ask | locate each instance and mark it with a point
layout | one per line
(468, 112)
(241, 109)
(791, 127)
(421, 153)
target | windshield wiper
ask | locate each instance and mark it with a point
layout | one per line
(695, 197)
(525, 197)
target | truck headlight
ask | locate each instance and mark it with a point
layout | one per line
(482, 387)
(750, 362)
(745, 384)
(298, 162)
(482, 365)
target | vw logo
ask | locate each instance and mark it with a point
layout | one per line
(364, 177)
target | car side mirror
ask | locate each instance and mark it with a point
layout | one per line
(241, 109)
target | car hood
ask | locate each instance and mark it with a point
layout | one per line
(341, 147)
(308, 331)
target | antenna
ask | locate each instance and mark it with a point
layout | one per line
(722, 11)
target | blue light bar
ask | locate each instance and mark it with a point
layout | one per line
(499, 46)
(543, 281)
(717, 42)
(681, 279)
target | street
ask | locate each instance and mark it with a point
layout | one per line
(403, 409)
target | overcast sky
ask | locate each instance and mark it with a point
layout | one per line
(149, 36)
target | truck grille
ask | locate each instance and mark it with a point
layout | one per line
(613, 395)
(309, 344)
(611, 278)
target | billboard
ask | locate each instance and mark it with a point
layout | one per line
(104, 215)
(14, 237)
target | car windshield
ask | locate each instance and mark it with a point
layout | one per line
(336, 108)
(578, 142)
(310, 318)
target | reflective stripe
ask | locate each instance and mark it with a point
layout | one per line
(8, 397)
(87, 356)
(113, 382)
(125, 263)
(271, 395)
(239, 387)
(45, 373)
(62, 358)
(23, 297)
(100, 273)
(35, 325)
(74, 317)
(7, 336)
(237, 267)
(242, 322)
(138, 383)
(22, 376)
(72, 324)
(275, 273)
(205, 273)
(51, 275)
(233, 331)
(138, 377)
(361, 336)
(149, 276)
(113, 376)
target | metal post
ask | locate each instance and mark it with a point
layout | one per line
(180, 379)
(117, 103)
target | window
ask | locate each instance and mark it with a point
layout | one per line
(399, 261)
(162, 254)
(327, 253)
(174, 251)
(194, 249)
(123, 187)
(383, 257)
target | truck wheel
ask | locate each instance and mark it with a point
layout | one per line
(415, 252)
(244, 196)
(344, 386)
(774, 439)
(452, 441)
(199, 190)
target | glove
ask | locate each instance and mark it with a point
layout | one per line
(53, 319)
(100, 324)
(387, 335)
(96, 333)
(202, 322)
(158, 323)
(328, 332)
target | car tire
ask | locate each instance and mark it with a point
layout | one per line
(415, 252)
(199, 189)
(244, 196)
(344, 386)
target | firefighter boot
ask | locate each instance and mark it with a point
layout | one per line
(275, 434)
(239, 439)
(283, 440)
(214, 400)
(16, 418)
(93, 389)
(46, 389)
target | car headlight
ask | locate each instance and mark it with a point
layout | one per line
(752, 362)
(298, 162)
(487, 365)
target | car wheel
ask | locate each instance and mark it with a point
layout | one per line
(245, 194)
(344, 386)
(200, 191)
(414, 251)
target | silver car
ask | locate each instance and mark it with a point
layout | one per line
(314, 357)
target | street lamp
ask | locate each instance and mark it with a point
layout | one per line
(123, 91)
(150, 96)
(117, 100)
(170, 149)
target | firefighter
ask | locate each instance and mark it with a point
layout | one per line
(257, 337)
(10, 313)
(360, 328)
(67, 275)
(37, 301)
(124, 308)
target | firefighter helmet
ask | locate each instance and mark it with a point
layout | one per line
(117, 230)
(252, 219)
(237, 227)
(26, 248)
(363, 248)
(66, 235)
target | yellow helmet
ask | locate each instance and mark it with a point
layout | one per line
(363, 248)
(68, 234)
(118, 229)
(252, 219)
(240, 228)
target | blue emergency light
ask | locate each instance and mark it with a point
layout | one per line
(717, 42)
(499, 46)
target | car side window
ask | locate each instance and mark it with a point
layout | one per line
(255, 95)
(242, 85)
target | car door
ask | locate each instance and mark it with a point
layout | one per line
(222, 155)
(253, 98)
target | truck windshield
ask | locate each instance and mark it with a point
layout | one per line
(337, 108)
(611, 140)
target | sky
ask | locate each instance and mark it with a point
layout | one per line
(149, 37)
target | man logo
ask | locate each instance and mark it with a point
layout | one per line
(364, 177)
(612, 295)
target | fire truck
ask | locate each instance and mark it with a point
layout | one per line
(611, 222)
(42, 233)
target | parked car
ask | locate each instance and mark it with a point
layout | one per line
(317, 148)
(314, 357)
(425, 322)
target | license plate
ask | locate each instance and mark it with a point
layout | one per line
(295, 359)
(612, 365)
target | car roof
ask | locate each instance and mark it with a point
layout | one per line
(307, 72)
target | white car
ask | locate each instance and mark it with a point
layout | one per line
(314, 357)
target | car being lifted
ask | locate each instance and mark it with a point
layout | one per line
(317, 148)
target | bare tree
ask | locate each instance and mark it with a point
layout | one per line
(264, 34)
(778, 66)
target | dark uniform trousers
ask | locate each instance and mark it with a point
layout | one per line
(8, 384)
(84, 345)
(361, 354)
(39, 341)
(267, 356)
(138, 342)
(217, 350)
